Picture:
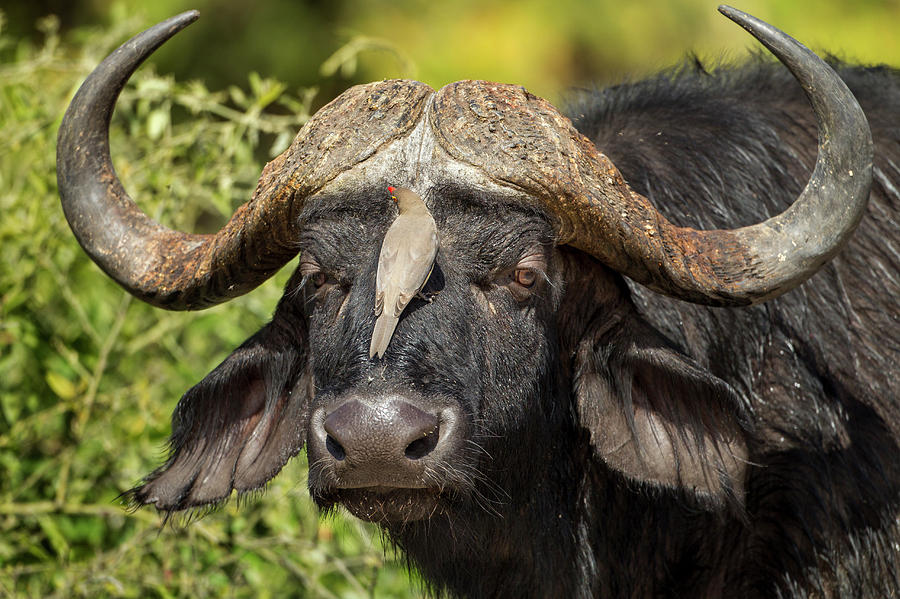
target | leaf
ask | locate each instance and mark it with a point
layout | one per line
(157, 122)
(54, 535)
(271, 92)
(63, 387)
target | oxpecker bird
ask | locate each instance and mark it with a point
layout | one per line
(404, 265)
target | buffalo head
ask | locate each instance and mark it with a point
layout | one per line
(530, 335)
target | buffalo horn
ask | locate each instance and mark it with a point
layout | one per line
(181, 271)
(752, 264)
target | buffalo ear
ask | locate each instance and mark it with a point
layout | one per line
(236, 428)
(657, 417)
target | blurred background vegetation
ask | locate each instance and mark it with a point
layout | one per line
(89, 377)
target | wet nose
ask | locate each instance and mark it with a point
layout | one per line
(381, 443)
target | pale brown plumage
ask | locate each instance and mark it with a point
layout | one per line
(404, 265)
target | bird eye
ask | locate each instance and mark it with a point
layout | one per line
(525, 277)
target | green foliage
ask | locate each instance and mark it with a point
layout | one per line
(89, 376)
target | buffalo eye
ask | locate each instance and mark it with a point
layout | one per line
(313, 273)
(521, 284)
(523, 278)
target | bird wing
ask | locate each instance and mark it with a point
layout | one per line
(386, 259)
(406, 259)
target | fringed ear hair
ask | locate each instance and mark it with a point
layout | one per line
(236, 428)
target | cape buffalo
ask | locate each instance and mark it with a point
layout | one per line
(586, 399)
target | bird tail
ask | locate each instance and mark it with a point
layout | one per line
(381, 336)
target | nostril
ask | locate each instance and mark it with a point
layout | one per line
(387, 434)
(424, 445)
(334, 448)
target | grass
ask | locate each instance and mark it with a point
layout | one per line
(89, 376)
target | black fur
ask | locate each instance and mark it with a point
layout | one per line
(620, 444)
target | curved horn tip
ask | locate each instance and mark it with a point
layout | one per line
(738, 16)
(752, 24)
(184, 19)
(731, 12)
(165, 30)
